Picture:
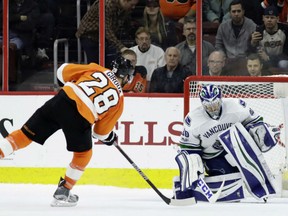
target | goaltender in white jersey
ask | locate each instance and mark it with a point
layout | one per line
(225, 138)
(201, 131)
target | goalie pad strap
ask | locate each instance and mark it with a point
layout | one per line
(251, 163)
(190, 166)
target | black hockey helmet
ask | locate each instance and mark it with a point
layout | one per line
(122, 67)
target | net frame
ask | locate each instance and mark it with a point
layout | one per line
(277, 91)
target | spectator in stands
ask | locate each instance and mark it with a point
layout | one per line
(55, 9)
(216, 11)
(13, 37)
(137, 82)
(169, 78)
(253, 10)
(177, 10)
(23, 15)
(233, 35)
(188, 46)
(282, 8)
(116, 14)
(215, 64)
(255, 66)
(148, 55)
(44, 30)
(163, 32)
(271, 40)
(233, 38)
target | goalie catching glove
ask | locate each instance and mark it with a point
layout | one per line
(265, 136)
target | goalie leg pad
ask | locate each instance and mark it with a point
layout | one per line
(231, 192)
(255, 172)
(233, 187)
(190, 167)
(178, 193)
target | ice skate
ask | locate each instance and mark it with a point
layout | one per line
(63, 197)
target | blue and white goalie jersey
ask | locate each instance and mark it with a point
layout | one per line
(200, 132)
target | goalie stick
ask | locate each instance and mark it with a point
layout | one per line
(168, 201)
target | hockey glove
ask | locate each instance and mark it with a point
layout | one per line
(110, 139)
(266, 136)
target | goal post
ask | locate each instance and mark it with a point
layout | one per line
(268, 96)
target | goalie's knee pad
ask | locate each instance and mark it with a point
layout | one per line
(177, 192)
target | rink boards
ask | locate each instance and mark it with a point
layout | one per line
(147, 130)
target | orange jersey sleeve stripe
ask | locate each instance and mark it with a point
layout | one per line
(84, 105)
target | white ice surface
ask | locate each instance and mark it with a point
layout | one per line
(34, 200)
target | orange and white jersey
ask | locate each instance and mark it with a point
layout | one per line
(136, 85)
(97, 93)
(176, 9)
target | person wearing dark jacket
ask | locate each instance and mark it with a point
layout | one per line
(117, 16)
(169, 78)
(22, 20)
(270, 40)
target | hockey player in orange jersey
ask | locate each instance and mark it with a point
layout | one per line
(90, 103)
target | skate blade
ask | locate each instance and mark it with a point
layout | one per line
(61, 203)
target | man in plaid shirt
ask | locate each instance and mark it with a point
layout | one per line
(116, 14)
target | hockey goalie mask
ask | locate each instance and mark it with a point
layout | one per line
(122, 67)
(210, 97)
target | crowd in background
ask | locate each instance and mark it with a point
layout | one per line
(249, 37)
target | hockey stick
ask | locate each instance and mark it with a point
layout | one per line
(206, 191)
(168, 201)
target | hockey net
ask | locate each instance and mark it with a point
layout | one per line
(267, 96)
